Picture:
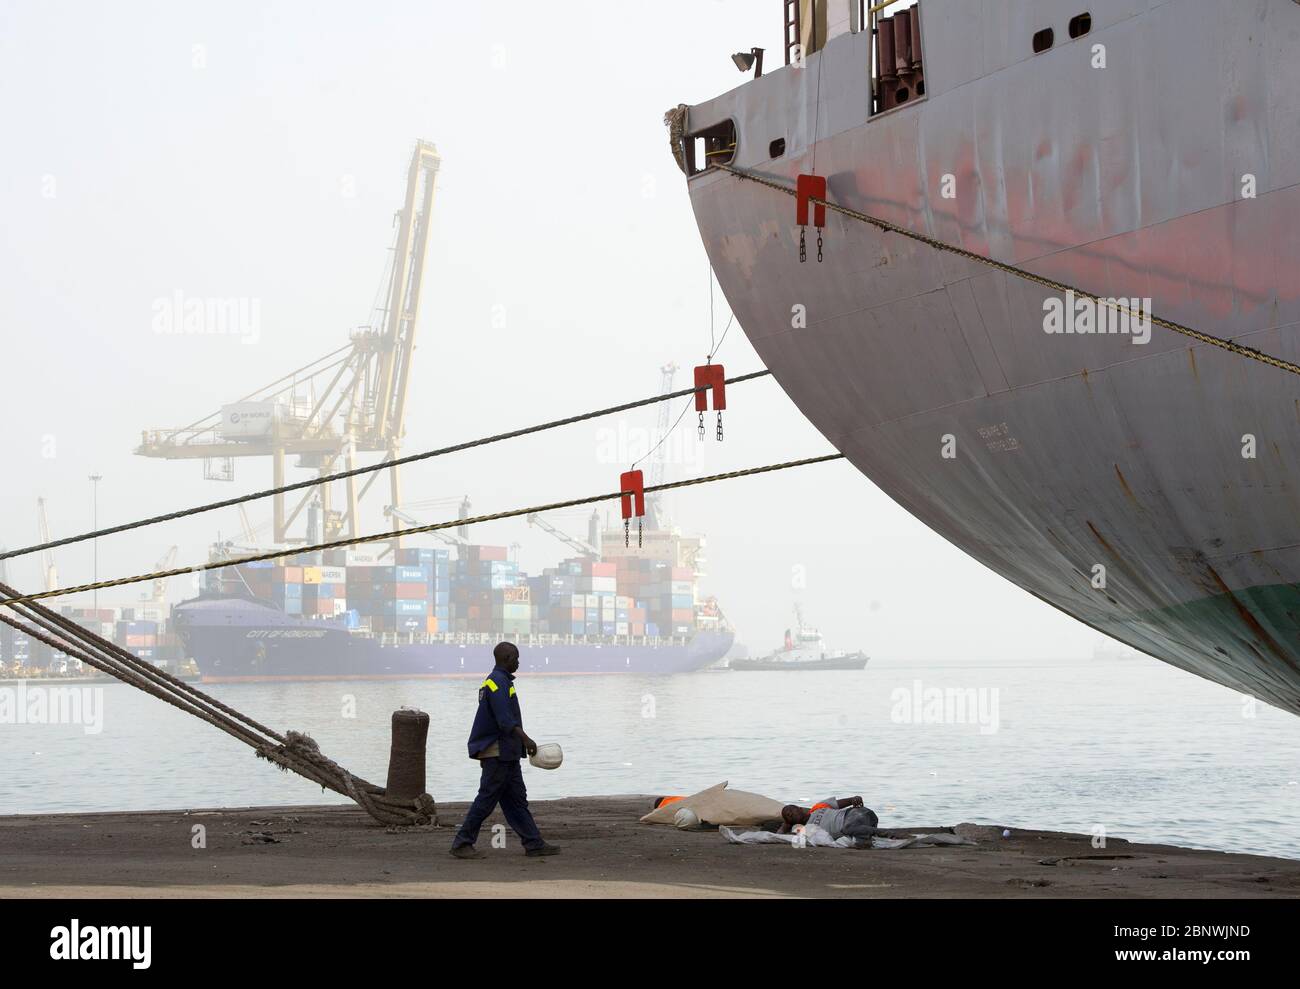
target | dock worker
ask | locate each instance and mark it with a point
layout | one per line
(837, 817)
(498, 741)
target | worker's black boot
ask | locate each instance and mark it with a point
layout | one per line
(541, 850)
(466, 852)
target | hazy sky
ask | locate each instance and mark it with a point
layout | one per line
(259, 151)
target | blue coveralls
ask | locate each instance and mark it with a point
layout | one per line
(502, 780)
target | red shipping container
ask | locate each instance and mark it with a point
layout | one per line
(683, 573)
(411, 592)
(683, 615)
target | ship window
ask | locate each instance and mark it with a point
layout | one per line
(1080, 25)
(1044, 40)
(777, 148)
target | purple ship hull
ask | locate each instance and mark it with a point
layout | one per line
(236, 640)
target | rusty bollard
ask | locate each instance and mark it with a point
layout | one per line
(406, 756)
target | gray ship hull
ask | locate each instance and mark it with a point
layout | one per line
(1072, 451)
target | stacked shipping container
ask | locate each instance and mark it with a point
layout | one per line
(482, 591)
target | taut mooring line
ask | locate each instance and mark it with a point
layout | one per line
(357, 471)
(379, 537)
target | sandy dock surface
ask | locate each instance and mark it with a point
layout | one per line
(339, 852)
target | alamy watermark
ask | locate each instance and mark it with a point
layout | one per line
(179, 314)
(1085, 316)
(624, 444)
(922, 705)
(91, 943)
(41, 705)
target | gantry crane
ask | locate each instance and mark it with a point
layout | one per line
(350, 401)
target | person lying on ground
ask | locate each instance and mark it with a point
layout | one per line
(838, 818)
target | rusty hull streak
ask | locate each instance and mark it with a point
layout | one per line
(1127, 490)
(1120, 563)
(1249, 618)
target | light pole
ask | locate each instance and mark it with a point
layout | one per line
(94, 525)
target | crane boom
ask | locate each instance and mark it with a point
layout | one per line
(586, 549)
(48, 569)
(404, 292)
(654, 508)
(446, 535)
(351, 400)
(158, 593)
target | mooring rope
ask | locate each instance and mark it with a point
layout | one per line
(413, 531)
(294, 751)
(370, 469)
(63, 625)
(1057, 286)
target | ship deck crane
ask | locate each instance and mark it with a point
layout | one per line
(48, 570)
(158, 589)
(445, 535)
(655, 516)
(589, 549)
(355, 396)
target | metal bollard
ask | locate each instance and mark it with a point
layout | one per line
(406, 756)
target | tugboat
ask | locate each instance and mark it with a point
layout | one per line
(804, 649)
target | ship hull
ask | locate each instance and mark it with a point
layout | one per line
(1110, 479)
(235, 641)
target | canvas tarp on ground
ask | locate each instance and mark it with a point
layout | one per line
(720, 805)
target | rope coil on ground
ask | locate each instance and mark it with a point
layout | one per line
(1011, 269)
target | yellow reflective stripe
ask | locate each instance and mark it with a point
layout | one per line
(512, 691)
(491, 685)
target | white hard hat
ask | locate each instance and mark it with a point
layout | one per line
(548, 756)
(686, 818)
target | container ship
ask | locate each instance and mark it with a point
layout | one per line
(1149, 487)
(142, 630)
(420, 612)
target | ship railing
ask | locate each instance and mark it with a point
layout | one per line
(531, 641)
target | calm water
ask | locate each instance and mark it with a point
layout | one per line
(1132, 746)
